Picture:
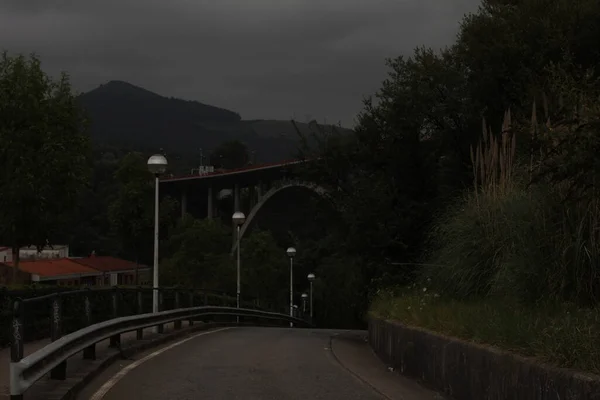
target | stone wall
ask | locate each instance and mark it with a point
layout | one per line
(467, 371)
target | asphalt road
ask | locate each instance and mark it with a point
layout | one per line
(239, 363)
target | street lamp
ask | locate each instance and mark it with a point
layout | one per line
(311, 278)
(157, 165)
(304, 297)
(238, 219)
(291, 252)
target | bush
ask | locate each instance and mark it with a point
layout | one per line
(507, 237)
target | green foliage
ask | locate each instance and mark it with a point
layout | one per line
(199, 255)
(45, 150)
(90, 227)
(381, 178)
(529, 242)
(131, 214)
(526, 230)
(229, 155)
(264, 269)
(339, 295)
(506, 46)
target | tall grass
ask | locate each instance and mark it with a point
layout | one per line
(507, 237)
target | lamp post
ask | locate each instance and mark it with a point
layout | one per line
(238, 219)
(311, 278)
(291, 252)
(304, 297)
(157, 164)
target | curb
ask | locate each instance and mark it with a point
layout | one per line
(351, 372)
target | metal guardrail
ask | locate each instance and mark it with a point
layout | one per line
(106, 302)
(52, 359)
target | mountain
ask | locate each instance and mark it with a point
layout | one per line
(128, 116)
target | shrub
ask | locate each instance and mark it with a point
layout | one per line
(509, 237)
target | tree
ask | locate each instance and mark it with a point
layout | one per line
(506, 47)
(199, 255)
(90, 225)
(131, 214)
(45, 151)
(264, 269)
(229, 155)
(388, 178)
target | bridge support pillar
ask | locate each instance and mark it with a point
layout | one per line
(251, 197)
(210, 208)
(183, 203)
(259, 191)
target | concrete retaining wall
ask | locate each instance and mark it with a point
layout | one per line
(466, 371)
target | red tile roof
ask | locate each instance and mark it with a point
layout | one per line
(53, 267)
(107, 263)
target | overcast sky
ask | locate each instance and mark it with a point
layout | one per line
(261, 58)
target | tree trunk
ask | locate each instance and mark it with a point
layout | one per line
(16, 258)
(137, 264)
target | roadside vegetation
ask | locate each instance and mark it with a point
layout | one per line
(515, 261)
(560, 334)
(513, 258)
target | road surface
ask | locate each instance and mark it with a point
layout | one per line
(251, 364)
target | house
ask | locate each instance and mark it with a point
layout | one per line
(92, 271)
(116, 271)
(58, 271)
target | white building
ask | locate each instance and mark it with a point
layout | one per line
(56, 251)
(5, 254)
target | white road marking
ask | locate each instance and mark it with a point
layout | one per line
(100, 393)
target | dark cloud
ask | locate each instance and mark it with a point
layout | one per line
(261, 58)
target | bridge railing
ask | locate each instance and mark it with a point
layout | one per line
(52, 359)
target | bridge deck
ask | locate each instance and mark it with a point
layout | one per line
(238, 173)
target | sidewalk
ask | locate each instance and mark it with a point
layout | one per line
(75, 364)
(353, 352)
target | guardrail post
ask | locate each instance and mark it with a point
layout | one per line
(161, 327)
(89, 353)
(191, 304)
(177, 323)
(16, 343)
(205, 303)
(115, 341)
(139, 334)
(18, 334)
(60, 371)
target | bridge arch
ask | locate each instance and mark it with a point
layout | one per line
(284, 185)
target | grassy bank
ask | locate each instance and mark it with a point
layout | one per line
(514, 263)
(561, 334)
